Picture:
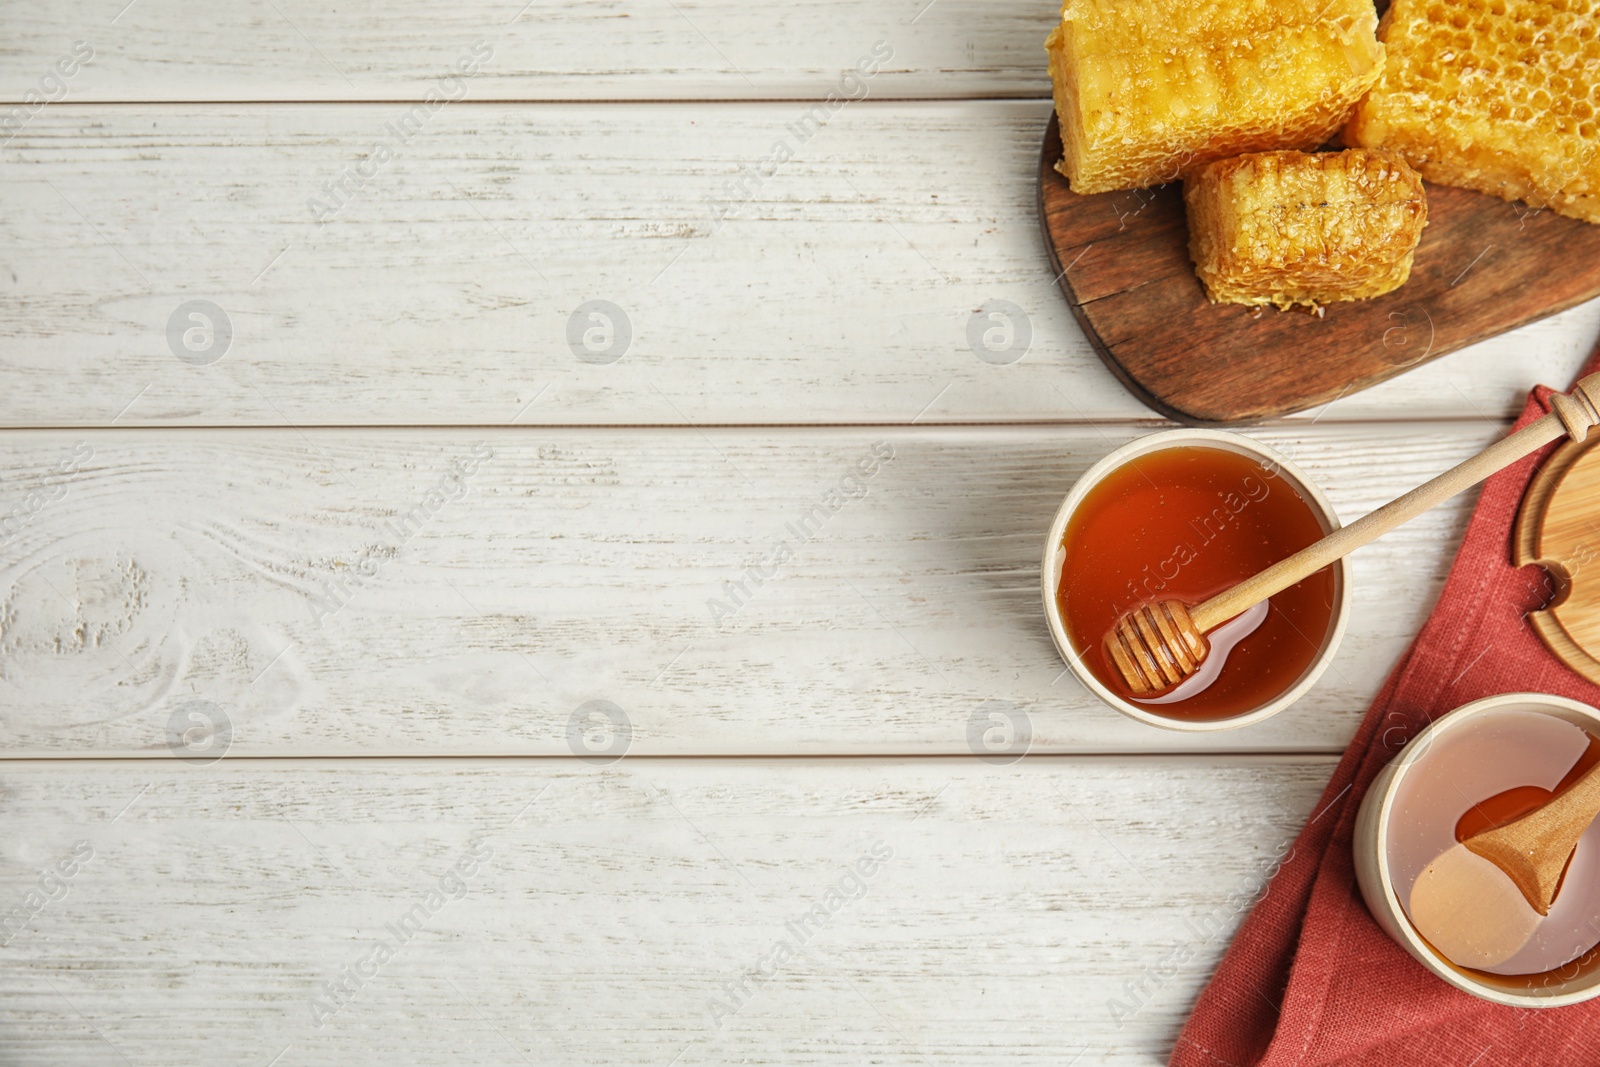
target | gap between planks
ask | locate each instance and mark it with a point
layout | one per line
(1154, 424)
(537, 101)
(1220, 757)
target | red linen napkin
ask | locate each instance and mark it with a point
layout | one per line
(1310, 978)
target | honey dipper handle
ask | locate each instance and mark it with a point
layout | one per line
(1573, 414)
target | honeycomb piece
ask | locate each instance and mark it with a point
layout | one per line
(1148, 89)
(1502, 96)
(1288, 228)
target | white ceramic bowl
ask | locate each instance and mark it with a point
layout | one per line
(1371, 845)
(1055, 554)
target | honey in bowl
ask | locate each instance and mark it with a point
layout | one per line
(1188, 522)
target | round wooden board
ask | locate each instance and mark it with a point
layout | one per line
(1558, 529)
(1484, 266)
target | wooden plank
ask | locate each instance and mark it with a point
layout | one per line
(435, 592)
(856, 284)
(164, 50)
(1053, 911)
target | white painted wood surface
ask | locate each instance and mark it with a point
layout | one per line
(1017, 909)
(838, 290)
(167, 590)
(164, 50)
(275, 574)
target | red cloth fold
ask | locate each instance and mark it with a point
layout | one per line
(1310, 978)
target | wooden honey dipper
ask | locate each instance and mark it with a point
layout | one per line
(1533, 851)
(1157, 645)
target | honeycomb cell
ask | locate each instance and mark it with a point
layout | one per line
(1147, 90)
(1525, 133)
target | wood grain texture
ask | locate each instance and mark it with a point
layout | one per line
(843, 288)
(1484, 266)
(175, 569)
(1018, 908)
(169, 50)
(1556, 529)
(277, 575)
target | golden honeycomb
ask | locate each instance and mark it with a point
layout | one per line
(1288, 228)
(1502, 96)
(1148, 89)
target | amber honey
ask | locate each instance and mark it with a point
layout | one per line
(1188, 522)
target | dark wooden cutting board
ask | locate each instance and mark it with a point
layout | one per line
(1484, 266)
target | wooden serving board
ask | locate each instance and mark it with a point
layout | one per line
(1484, 266)
(1557, 528)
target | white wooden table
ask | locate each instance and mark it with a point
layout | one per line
(399, 531)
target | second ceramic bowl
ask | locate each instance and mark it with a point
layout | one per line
(1373, 874)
